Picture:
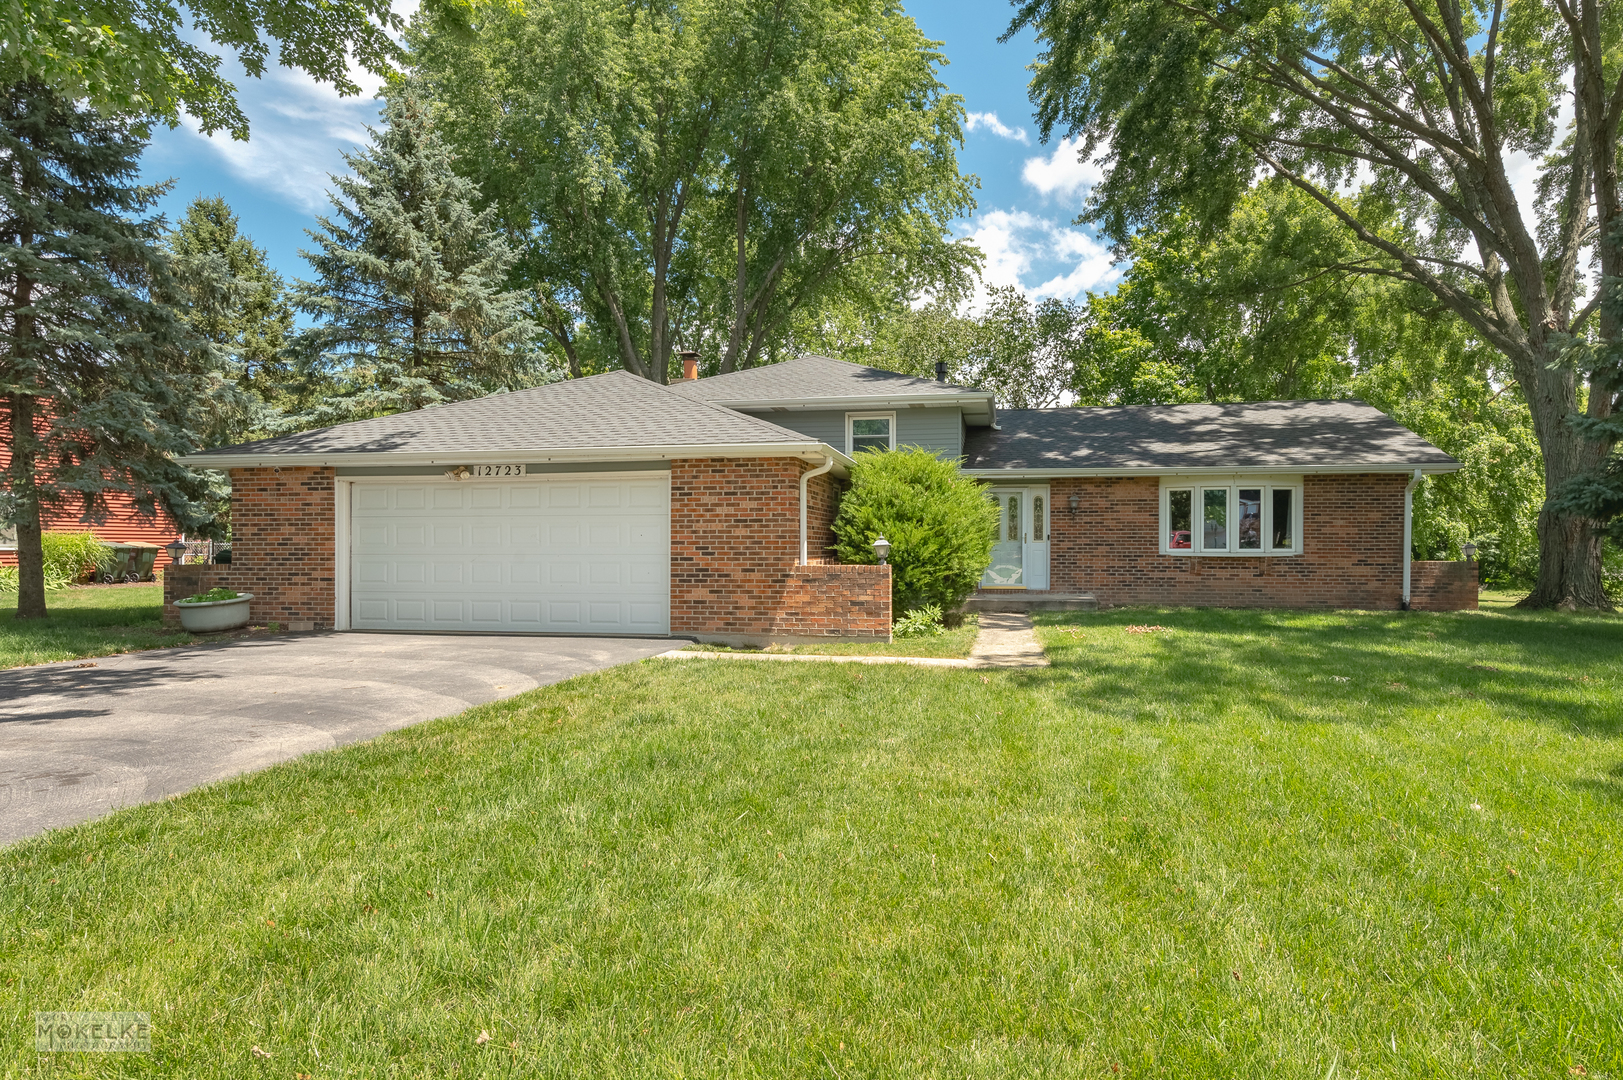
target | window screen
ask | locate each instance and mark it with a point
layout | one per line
(1180, 519)
(1214, 519)
(1248, 529)
(1284, 519)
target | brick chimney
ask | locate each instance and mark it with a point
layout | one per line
(690, 365)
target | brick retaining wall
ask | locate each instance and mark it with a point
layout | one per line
(1443, 586)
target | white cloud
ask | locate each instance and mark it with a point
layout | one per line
(976, 120)
(1017, 244)
(1064, 172)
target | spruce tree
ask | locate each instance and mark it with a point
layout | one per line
(232, 299)
(99, 384)
(410, 279)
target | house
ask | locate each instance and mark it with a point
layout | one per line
(124, 523)
(613, 505)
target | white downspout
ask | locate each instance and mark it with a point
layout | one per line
(1408, 534)
(819, 471)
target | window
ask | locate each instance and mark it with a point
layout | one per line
(870, 431)
(8, 537)
(1231, 516)
(1037, 523)
(1013, 531)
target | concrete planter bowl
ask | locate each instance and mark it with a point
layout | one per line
(212, 616)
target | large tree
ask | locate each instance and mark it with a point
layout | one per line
(1407, 121)
(697, 173)
(410, 290)
(137, 57)
(100, 386)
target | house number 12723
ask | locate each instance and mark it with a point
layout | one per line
(480, 472)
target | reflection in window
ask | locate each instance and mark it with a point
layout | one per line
(1180, 518)
(1248, 530)
(1284, 519)
(1036, 519)
(1215, 519)
(870, 433)
(1014, 518)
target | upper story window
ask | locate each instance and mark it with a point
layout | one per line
(870, 431)
(1235, 515)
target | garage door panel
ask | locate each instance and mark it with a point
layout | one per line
(565, 556)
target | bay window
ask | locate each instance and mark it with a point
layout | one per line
(1233, 515)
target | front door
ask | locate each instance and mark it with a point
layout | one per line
(1020, 556)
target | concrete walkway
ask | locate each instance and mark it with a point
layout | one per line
(84, 737)
(1006, 640)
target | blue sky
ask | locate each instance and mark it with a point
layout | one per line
(277, 181)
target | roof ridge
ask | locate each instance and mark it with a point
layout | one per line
(724, 409)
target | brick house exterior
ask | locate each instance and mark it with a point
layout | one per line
(611, 504)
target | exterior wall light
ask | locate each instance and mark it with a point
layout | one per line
(1076, 500)
(1470, 552)
(881, 548)
(176, 548)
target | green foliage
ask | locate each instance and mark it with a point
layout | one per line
(100, 384)
(702, 173)
(75, 557)
(410, 292)
(920, 622)
(939, 522)
(212, 596)
(144, 59)
(235, 303)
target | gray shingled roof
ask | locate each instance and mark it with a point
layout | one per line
(812, 376)
(1269, 434)
(615, 410)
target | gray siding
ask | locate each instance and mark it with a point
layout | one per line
(941, 429)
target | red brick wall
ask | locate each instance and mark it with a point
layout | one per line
(281, 549)
(1443, 586)
(822, 503)
(1352, 540)
(735, 541)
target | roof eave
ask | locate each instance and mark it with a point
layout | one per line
(357, 459)
(1060, 472)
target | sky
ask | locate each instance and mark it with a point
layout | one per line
(1029, 195)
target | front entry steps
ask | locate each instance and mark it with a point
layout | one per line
(1019, 601)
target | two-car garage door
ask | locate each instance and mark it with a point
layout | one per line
(546, 554)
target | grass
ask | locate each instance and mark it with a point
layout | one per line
(949, 643)
(1260, 844)
(96, 620)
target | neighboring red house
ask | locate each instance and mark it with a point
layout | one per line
(613, 505)
(124, 525)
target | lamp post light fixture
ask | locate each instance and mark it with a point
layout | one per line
(1470, 552)
(176, 548)
(881, 548)
(1076, 500)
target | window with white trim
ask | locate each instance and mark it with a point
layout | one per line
(1231, 516)
(870, 431)
(8, 537)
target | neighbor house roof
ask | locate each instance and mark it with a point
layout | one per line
(1299, 436)
(616, 414)
(820, 382)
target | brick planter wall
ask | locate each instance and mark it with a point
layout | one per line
(1352, 537)
(735, 542)
(1443, 586)
(281, 549)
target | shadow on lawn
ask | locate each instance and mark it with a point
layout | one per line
(1348, 667)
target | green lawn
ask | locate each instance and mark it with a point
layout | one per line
(1260, 844)
(948, 643)
(96, 620)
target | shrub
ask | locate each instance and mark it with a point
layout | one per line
(212, 595)
(920, 622)
(74, 557)
(940, 524)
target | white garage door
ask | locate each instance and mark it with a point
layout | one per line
(575, 554)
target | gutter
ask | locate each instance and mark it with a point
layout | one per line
(1408, 535)
(804, 478)
(817, 451)
(1039, 473)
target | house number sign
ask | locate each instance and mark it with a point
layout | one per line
(484, 472)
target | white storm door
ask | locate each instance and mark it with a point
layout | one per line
(581, 554)
(1008, 570)
(1035, 554)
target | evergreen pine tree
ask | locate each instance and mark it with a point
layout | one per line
(232, 299)
(409, 289)
(99, 384)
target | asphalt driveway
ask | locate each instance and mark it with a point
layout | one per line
(81, 738)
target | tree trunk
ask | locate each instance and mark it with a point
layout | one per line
(30, 549)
